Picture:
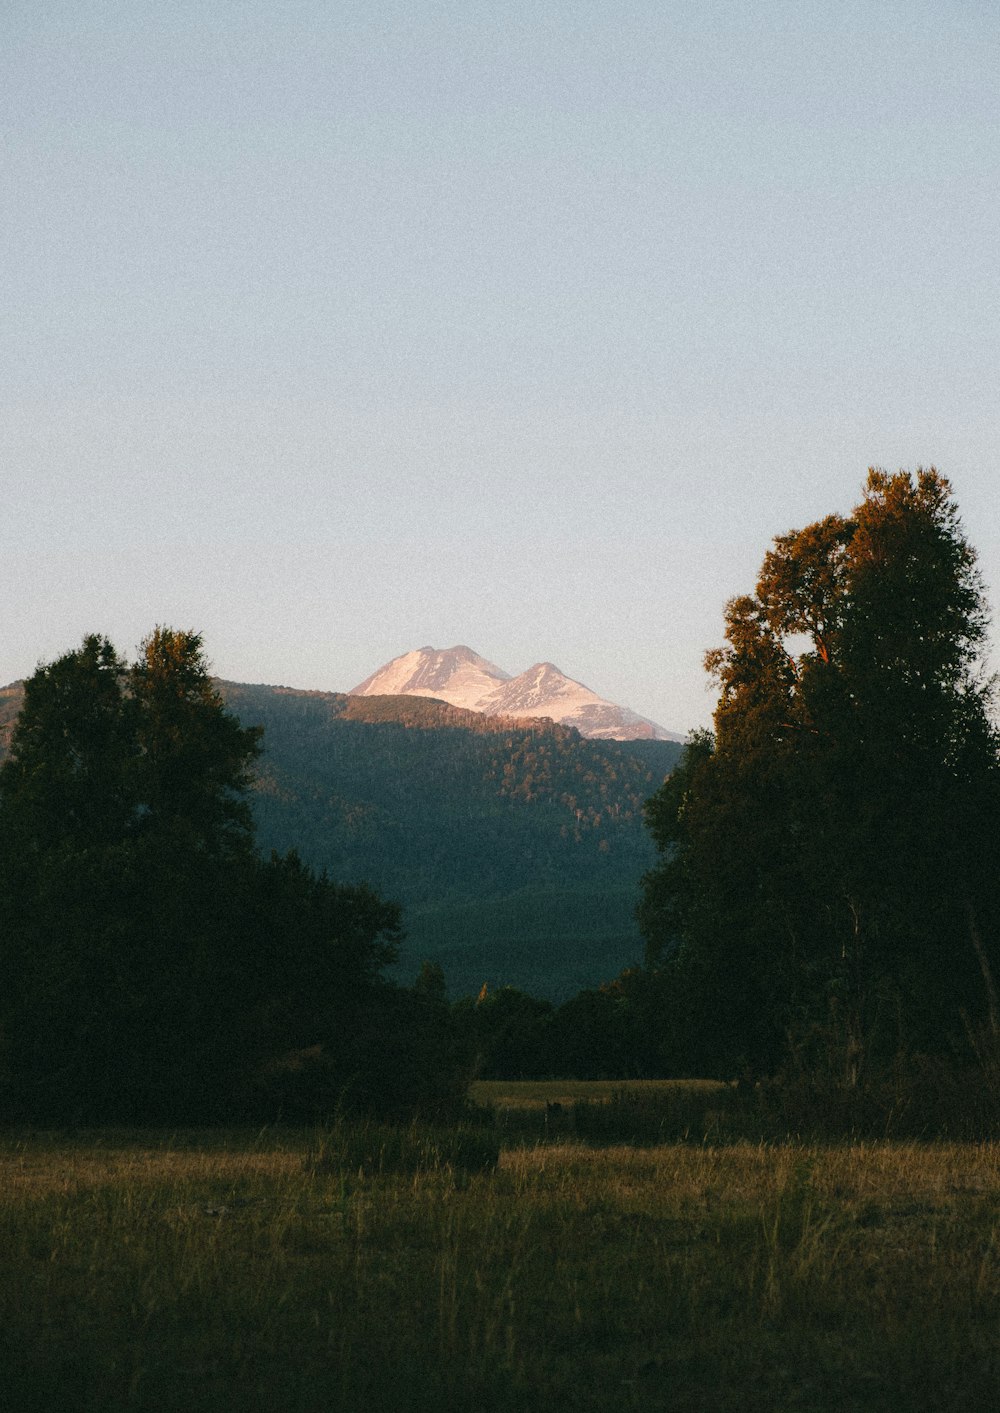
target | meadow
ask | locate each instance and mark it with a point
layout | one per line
(515, 1264)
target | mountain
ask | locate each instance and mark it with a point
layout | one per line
(455, 675)
(515, 846)
(545, 691)
(463, 678)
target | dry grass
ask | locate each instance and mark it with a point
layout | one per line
(535, 1094)
(225, 1271)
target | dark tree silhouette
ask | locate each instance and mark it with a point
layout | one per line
(153, 966)
(829, 859)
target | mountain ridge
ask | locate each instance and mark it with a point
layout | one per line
(462, 677)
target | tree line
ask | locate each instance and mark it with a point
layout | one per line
(824, 905)
(155, 966)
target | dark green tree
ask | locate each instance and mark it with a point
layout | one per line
(508, 1034)
(830, 857)
(153, 966)
(194, 758)
(72, 753)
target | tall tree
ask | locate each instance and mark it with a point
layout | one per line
(69, 771)
(150, 963)
(195, 758)
(829, 859)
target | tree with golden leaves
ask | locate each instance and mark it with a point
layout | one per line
(828, 881)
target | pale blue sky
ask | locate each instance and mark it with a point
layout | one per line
(338, 329)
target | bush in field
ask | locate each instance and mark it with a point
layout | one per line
(927, 1097)
(402, 1056)
(380, 1150)
(682, 1113)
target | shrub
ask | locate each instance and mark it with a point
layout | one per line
(647, 1117)
(383, 1150)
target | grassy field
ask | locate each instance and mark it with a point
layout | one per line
(528, 1094)
(305, 1271)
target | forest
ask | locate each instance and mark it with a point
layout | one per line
(157, 967)
(197, 928)
(515, 848)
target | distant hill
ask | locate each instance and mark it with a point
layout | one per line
(515, 847)
(460, 676)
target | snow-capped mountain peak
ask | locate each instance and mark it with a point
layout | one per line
(463, 678)
(456, 675)
(540, 687)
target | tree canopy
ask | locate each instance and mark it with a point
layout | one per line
(829, 855)
(155, 967)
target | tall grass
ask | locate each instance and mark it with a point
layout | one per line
(367, 1149)
(927, 1101)
(225, 1271)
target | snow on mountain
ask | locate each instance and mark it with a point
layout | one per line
(545, 691)
(463, 678)
(541, 691)
(454, 675)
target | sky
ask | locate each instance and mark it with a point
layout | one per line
(334, 330)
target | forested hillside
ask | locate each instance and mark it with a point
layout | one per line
(516, 849)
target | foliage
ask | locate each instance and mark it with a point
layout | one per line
(515, 847)
(648, 1115)
(829, 858)
(507, 1034)
(155, 967)
(610, 1031)
(605, 1032)
(551, 941)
